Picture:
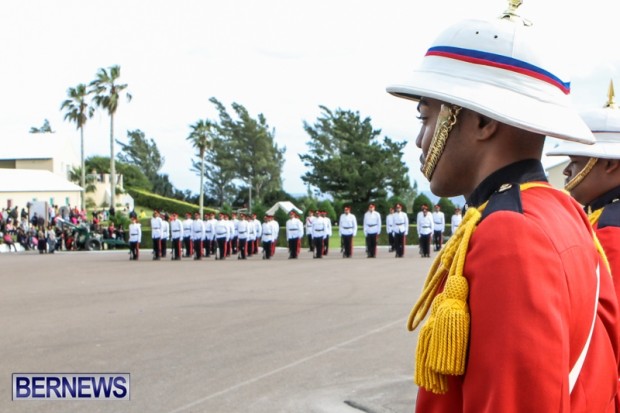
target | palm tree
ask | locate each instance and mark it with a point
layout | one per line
(201, 137)
(107, 94)
(78, 110)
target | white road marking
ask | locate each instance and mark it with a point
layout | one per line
(288, 366)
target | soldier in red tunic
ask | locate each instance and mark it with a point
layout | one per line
(593, 178)
(522, 314)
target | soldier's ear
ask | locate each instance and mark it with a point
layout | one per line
(612, 165)
(486, 127)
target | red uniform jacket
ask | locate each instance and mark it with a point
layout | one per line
(531, 268)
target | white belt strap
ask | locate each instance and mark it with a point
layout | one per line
(574, 373)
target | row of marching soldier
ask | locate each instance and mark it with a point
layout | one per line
(243, 237)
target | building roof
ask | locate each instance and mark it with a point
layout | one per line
(30, 180)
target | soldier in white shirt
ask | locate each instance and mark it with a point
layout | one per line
(456, 219)
(258, 231)
(176, 234)
(309, 220)
(222, 234)
(198, 234)
(135, 237)
(400, 227)
(243, 232)
(235, 236)
(156, 232)
(425, 229)
(267, 237)
(372, 229)
(187, 235)
(389, 228)
(328, 231)
(318, 234)
(209, 234)
(231, 232)
(251, 241)
(294, 234)
(347, 226)
(439, 225)
(165, 234)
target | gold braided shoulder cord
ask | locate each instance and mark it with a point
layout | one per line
(577, 179)
(445, 122)
(595, 216)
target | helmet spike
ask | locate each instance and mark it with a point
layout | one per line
(511, 13)
(611, 95)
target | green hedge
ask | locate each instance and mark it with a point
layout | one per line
(153, 201)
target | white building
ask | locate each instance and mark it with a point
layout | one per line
(41, 152)
(18, 187)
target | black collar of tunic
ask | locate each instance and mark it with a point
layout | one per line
(516, 173)
(605, 199)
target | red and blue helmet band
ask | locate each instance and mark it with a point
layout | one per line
(501, 62)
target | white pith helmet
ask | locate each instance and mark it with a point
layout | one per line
(605, 125)
(495, 68)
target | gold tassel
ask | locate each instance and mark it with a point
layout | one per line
(424, 375)
(448, 345)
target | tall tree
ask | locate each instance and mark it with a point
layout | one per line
(107, 94)
(78, 110)
(45, 128)
(219, 171)
(347, 161)
(133, 176)
(162, 186)
(258, 159)
(142, 152)
(201, 136)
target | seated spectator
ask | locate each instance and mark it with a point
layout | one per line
(111, 230)
(8, 240)
(120, 233)
(10, 228)
(22, 238)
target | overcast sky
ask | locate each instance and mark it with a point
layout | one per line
(279, 58)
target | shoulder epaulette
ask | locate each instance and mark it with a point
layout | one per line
(610, 217)
(507, 198)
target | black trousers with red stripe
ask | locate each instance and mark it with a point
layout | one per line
(293, 247)
(176, 248)
(221, 245)
(187, 245)
(156, 247)
(347, 245)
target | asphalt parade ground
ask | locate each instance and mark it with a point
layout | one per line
(229, 336)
